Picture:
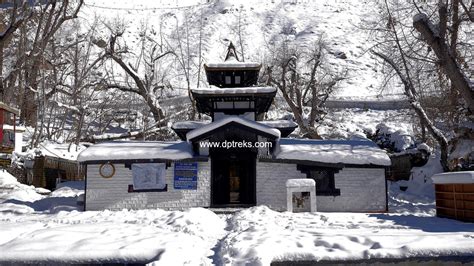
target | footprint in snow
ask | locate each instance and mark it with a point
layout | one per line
(376, 245)
(354, 239)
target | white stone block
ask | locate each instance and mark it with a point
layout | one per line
(300, 185)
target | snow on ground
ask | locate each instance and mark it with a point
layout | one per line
(410, 229)
(260, 236)
(39, 228)
(20, 198)
(69, 189)
(419, 197)
(255, 236)
(12, 192)
(172, 238)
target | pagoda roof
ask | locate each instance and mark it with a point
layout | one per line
(214, 99)
(181, 128)
(232, 62)
(207, 130)
(233, 91)
(197, 124)
(232, 65)
(231, 53)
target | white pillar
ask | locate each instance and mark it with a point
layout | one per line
(18, 141)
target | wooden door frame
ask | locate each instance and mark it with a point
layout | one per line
(252, 178)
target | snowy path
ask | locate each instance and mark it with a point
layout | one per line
(50, 229)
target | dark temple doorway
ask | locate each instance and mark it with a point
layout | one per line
(233, 179)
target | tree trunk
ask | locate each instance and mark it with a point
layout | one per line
(447, 60)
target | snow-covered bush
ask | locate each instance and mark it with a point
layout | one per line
(392, 139)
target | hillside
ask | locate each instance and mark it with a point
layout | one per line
(338, 23)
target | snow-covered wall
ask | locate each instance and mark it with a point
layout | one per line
(362, 189)
(112, 193)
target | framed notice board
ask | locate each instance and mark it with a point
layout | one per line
(185, 176)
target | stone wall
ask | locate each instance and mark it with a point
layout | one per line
(112, 193)
(362, 189)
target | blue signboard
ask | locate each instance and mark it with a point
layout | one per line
(185, 176)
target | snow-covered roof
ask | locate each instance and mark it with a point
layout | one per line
(189, 124)
(9, 108)
(232, 64)
(66, 151)
(198, 124)
(300, 182)
(462, 177)
(360, 152)
(136, 150)
(279, 123)
(242, 90)
(17, 128)
(224, 121)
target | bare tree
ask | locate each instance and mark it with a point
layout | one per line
(148, 86)
(200, 48)
(14, 18)
(183, 55)
(32, 53)
(18, 15)
(78, 80)
(432, 92)
(239, 29)
(303, 81)
(187, 43)
(445, 48)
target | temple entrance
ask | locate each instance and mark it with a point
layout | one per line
(233, 179)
